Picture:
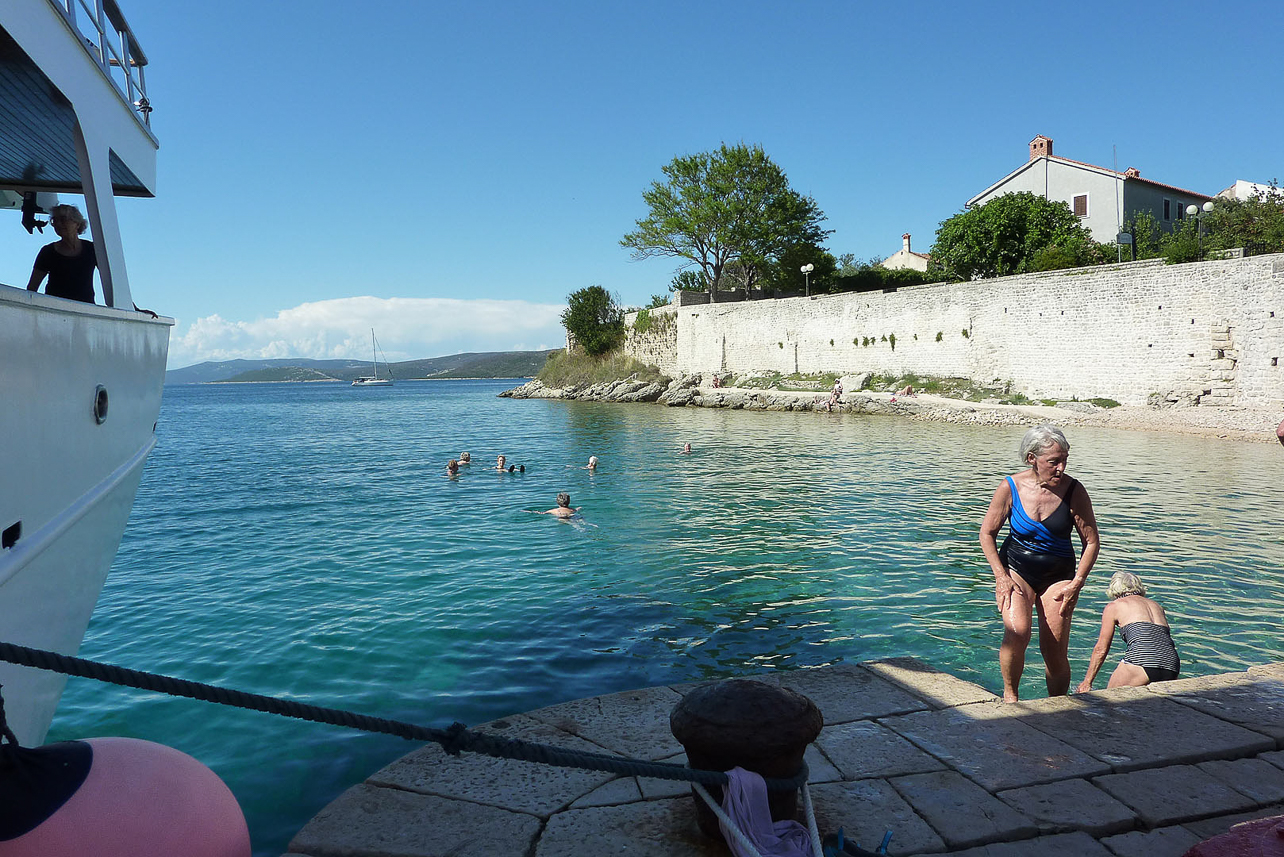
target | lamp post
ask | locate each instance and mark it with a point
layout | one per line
(806, 272)
(1196, 212)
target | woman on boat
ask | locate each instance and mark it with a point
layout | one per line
(1036, 567)
(1151, 655)
(68, 262)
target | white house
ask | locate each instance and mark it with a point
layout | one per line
(906, 258)
(1243, 190)
(1103, 198)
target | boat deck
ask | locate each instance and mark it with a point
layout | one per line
(939, 761)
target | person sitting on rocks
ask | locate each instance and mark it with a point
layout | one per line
(834, 395)
(1151, 655)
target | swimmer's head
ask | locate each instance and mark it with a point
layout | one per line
(501, 460)
(1125, 583)
(592, 461)
(465, 457)
(564, 499)
(686, 448)
(452, 465)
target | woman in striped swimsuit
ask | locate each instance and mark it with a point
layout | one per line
(1151, 655)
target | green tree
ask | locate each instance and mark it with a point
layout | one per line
(1256, 223)
(688, 281)
(785, 274)
(594, 319)
(1003, 237)
(713, 208)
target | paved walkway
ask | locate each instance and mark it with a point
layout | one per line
(1134, 772)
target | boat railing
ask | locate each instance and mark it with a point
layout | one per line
(112, 44)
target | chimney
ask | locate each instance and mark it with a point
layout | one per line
(1040, 147)
(905, 242)
(1132, 173)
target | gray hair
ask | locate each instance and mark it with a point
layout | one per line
(70, 212)
(1039, 438)
(1125, 583)
(563, 499)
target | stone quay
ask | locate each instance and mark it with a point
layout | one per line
(940, 762)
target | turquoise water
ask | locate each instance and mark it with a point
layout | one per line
(302, 540)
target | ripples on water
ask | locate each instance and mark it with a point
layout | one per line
(302, 540)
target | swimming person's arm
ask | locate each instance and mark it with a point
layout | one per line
(1100, 651)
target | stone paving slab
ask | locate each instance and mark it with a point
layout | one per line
(866, 810)
(865, 749)
(1071, 805)
(847, 692)
(1164, 842)
(1179, 793)
(377, 822)
(1064, 845)
(659, 828)
(990, 743)
(654, 789)
(617, 791)
(1130, 729)
(961, 812)
(1253, 701)
(1257, 778)
(936, 688)
(634, 723)
(1275, 757)
(1209, 827)
(506, 783)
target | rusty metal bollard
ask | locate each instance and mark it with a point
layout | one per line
(749, 724)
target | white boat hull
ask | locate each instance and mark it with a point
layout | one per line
(67, 488)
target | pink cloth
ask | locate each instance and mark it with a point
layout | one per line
(744, 799)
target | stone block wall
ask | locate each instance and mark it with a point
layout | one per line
(1208, 332)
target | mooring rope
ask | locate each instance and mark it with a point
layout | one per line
(453, 740)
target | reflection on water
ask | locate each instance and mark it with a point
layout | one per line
(303, 540)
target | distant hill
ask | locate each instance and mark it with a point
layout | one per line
(490, 364)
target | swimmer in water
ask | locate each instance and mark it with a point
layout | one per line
(501, 464)
(563, 509)
(452, 467)
(465, 458)
(592, 465)
(686, 449)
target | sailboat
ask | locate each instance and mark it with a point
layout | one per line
(375, 380)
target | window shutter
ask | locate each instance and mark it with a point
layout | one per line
(1081, 205)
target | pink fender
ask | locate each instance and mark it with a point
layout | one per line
(141, 798)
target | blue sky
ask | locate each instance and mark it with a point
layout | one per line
(449, 172)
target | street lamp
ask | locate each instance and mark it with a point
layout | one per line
(806, 272)
(1194, 211)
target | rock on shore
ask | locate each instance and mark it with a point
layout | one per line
(1235, 423)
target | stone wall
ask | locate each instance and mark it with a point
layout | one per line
(1210, 332)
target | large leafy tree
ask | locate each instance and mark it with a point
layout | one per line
(730, 205)
(595, 320)
(1011, 234)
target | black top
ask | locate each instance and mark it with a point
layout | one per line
(69, 276)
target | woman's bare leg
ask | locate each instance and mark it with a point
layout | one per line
(1054, 640)
(1017, 622)
(1128, 675)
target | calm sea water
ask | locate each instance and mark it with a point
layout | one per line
(302, 540)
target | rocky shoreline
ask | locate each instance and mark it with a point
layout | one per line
(1231, 423)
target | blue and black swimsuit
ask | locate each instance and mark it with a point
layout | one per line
(1040, 551)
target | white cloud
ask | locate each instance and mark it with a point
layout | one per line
(407, 328)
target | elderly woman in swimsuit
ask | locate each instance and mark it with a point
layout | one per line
(1151, 655)
(1036, 567)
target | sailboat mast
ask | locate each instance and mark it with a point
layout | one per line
(374, 355)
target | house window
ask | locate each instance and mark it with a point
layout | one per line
(1168, 209)
(1081, 205)
(1181, 211)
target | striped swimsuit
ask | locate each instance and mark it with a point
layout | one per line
(1150, 647)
